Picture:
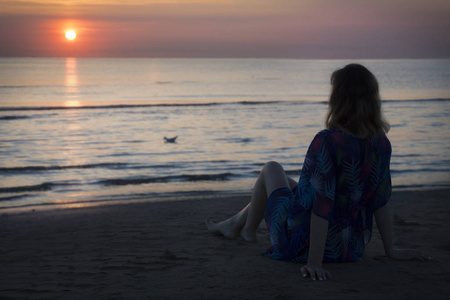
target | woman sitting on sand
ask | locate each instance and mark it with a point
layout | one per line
(345, 180)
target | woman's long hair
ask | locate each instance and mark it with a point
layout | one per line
(355, 104)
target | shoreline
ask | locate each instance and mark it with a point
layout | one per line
(175, 197)
(162, 250)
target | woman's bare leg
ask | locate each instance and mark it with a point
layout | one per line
(246, 222)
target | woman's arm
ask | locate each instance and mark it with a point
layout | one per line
(318, 237)
(384, 225)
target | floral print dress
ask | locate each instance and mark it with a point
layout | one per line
(344, 180)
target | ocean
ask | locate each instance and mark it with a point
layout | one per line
(87, 131)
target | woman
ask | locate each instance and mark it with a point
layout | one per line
(345, 180)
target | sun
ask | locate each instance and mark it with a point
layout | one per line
(70, 35)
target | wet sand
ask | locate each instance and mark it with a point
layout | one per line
(162, 250)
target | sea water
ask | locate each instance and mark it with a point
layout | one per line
(81, 131)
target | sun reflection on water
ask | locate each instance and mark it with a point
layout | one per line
(72, 103)
(71, 80)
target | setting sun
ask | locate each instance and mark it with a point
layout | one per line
(70, 35)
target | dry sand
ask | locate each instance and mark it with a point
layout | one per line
(162, 251)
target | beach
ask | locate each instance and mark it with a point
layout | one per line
(162, 250)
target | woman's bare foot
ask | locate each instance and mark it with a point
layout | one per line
(248, 236)
(221, 228)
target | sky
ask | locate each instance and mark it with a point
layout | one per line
(309, 29)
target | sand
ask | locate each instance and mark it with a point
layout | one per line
(162, 250)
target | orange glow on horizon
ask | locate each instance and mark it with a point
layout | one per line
(72, 103)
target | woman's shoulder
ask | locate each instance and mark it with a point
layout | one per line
(335, 135)
(385, 142)
(338, 137)
(324, 133)
(340, 134)
(324, 138)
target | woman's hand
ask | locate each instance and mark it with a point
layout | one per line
(385, 227)
(316, 272)
(408, 254)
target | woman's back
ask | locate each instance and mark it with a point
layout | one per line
(344, 180)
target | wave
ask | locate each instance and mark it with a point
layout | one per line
(235, 140)
(421, 170)
(121, 106)
(163, 179)
(15, 197)
(24, 86)
(114, 166)
(190, 104)
(47, 186)
(418, 100)
(421, 186)
(10, 118)
(43, 187)
(52, 168)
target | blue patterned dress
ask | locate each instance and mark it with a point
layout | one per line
(344, 180)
